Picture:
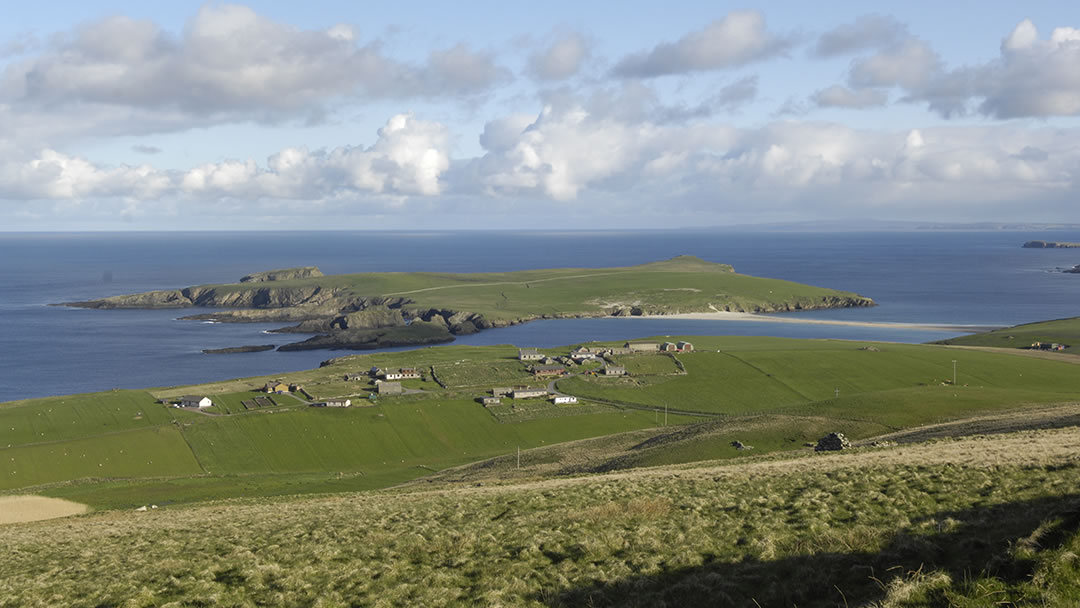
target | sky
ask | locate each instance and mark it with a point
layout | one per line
(118, 115)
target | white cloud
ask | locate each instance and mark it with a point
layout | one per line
(738, 39)
(1032, 77)
(230, 63)
(563, 59)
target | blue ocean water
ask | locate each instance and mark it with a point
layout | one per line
(977, 278)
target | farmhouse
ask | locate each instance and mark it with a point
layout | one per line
(563, 399)
(529, 354)
(546, 371)
(643, 347)
(198, 401)
(276, 387)
(528, 393)
(399, 373)
(388, 388)
(614, 370)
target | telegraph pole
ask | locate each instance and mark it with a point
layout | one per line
(954, 372)
(519, 457)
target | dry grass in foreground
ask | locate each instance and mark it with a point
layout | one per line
(975, 522)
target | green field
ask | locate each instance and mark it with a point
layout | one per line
(1065, 331)
(794, 391)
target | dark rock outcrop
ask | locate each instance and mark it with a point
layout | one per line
(833, 442)
(239, 349)
(284, 274)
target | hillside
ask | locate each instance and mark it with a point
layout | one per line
(122, 449)
(1061, 331)
(363, 311)
(977, 522)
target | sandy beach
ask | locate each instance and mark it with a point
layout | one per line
(793, 318)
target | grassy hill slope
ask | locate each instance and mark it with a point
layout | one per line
(1065, 331)
(977, 522)
(122, 449)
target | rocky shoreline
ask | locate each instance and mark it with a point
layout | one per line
(239, 349)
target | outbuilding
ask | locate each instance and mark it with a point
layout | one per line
(198, 401)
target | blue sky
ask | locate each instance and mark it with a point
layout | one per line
(264, 115)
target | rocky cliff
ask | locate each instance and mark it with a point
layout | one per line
(284, 274)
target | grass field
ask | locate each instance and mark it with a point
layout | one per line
(1065, 331)
(979, 522)
(775, 394)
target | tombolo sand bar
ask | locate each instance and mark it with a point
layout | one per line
(17, 509)
(787, 318)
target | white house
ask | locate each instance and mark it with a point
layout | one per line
(561, 399)
(195, 401)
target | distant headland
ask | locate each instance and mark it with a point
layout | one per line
(377, 310)
(1050, 245)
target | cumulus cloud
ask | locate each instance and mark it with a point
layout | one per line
(230, 60)
(408, 158)
(563, 59)
(838, 96)
(736, 40)
(866, 32)
(1032, 77)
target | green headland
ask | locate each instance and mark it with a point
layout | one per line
(371, 310)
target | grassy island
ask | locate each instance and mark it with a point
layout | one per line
(371, 310)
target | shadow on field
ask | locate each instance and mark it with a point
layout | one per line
(970, 544)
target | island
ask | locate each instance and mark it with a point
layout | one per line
(1050, 245)
(376, 310)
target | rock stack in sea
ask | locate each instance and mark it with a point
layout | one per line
(832, 442)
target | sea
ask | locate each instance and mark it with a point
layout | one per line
(968, 278)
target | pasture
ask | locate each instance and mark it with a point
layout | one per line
(979, 522)
(774, 394)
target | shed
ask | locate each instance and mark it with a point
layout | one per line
(643, 347)
(490, 400)
(527, 393)
(388, 388)
(564, 399)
